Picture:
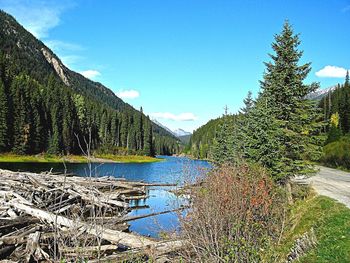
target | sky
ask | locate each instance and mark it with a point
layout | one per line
(183, 61)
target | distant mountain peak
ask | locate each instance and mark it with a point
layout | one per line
(177, 133)
(163, 126)
(320, 93)
(180, 132)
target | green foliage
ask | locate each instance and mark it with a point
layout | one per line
(280, 128)
(336, 111)
(334, 134)
(3, 117)
(223, 151)
(203, 139)
(257, 138)
(248, 103)
(337, 154)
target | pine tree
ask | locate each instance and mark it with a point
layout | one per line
(223, 151)
(140, 131)
(21, 114)
(248, 103)
(38, 132)
(148, 139)
(3, 118)
(257, 137)
(334, 133)
(284, 92)
(115, 130)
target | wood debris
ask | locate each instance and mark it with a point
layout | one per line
(48, 217)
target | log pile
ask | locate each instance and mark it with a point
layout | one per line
(46, 218)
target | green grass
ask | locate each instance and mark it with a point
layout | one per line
(46, 158)
(129, 158)
(331, 223)
(41, 158)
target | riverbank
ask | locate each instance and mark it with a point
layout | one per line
(47, 158)
(317, 231)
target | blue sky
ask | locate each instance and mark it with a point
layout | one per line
(184, 60)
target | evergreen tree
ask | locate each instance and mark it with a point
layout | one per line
(284, 98)
(248, 103)
(148, 139)
(140, 130)
(334, 133)
(257, 137)
(124, 131)
(223, 143)
(115, 130)
(3, 118)
(21, 114)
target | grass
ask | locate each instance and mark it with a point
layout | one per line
(40, 158)
(331, 223)
(129, 158)
(47, 158)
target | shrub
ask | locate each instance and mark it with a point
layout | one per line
(234, 217)
(337, 154)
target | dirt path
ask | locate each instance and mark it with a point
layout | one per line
(332, 183)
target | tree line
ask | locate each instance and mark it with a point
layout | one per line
(336, 111)
(49, 117)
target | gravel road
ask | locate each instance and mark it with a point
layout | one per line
(332, 183)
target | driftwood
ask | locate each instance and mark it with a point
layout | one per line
(45, 217)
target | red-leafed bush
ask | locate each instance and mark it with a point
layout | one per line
(235, 216)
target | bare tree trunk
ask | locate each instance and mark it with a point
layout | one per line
(289, 192)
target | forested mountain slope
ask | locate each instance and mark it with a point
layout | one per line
(46, 107)
(203, 138)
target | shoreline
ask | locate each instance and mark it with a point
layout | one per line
(47, 158)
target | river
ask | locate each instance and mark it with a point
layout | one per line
(170, 170)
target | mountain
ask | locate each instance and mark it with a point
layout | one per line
(320, 93)
(49, 106)
(181, 132)
(182, 135)
(185, 139)
(163, 127)
(203, 138)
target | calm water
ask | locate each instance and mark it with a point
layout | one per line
(171, 170)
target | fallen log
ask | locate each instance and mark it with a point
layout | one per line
(33, 248)
(114, 236)
(132, 218)
(43, 216)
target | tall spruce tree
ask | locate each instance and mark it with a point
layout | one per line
(284, 93)
(20, 93)
(148, 138)
(248, 103)
(223, 151)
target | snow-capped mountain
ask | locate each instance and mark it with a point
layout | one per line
(320, 93)
(163, 126)
(181, 132)
(177, 133)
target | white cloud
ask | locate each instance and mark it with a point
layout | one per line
(90, 74)
(128, 94)
(331, 72)
(186, 116)
(37, 16)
